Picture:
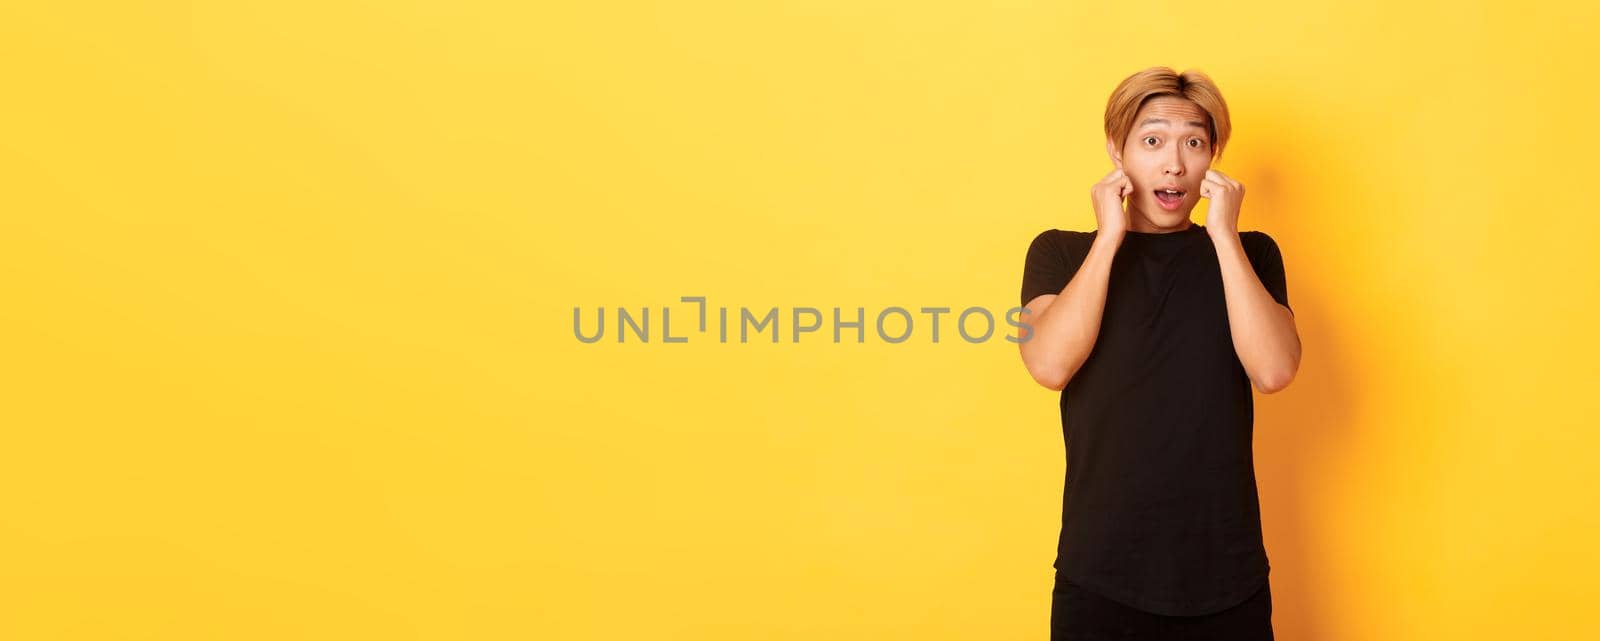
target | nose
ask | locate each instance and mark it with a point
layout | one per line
(1175, 162)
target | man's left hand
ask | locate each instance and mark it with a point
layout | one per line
(1222, 215)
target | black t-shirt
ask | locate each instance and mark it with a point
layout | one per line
(1159, 508)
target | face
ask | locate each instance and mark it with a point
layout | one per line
(1168, 147)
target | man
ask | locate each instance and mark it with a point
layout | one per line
(1154, 329)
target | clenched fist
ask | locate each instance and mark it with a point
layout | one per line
(1108, 195)
(1222, 215)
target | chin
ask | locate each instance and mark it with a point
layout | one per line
(1164, 218)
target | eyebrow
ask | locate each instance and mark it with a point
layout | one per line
(1163, 121)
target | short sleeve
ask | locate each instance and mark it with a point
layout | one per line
(1268, 263)
(1047, 268)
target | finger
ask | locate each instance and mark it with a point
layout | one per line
(1221, 177)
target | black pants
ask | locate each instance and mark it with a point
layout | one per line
(1077, 614)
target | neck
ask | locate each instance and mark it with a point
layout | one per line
(1140, 222)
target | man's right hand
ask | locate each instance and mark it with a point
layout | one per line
(1108, 195)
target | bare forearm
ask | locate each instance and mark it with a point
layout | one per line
(1064, 332)
(1264, 334)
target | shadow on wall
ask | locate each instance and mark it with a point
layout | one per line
(1297, 428)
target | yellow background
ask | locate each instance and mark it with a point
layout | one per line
(288, 289)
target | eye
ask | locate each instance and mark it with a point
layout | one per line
(1150, 138)
(1199, 143)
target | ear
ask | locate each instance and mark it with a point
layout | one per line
(1114, 153)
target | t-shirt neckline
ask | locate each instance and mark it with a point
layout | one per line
(1192, 229)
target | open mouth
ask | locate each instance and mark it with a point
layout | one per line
(1170, 198)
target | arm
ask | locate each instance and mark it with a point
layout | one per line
(1264, 334)
(1065, 325)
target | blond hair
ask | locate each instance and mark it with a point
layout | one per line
(1191, 85)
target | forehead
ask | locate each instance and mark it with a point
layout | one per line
(1176, 112)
